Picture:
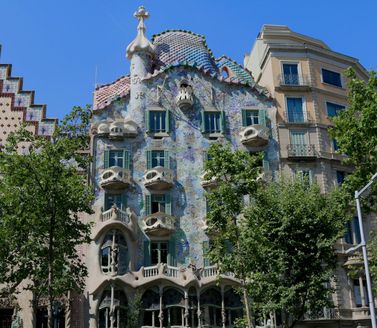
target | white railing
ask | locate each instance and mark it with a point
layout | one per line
(115, 213)
(209, 271)
(151, 271)
(172, 271)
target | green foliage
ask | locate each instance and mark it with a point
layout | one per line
(41, 196)
(355, 131)
(280, 242)
(134, 312)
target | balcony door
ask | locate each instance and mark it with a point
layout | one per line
(295, 110)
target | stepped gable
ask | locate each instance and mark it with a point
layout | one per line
(174, 47)
(17, 107)
(105, 94)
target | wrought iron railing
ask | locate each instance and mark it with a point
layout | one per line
(295, 150)
(294, 80)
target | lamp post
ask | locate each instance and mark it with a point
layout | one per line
(363, 246)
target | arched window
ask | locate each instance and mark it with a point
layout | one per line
(114, 254)
(151, 308)
(112, 309)
(233, 307)
(225, 72)
(174, 311)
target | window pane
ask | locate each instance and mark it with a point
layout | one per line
(295, 111)
(212, 122)
(157, 121)
(356, 291)
(333, 109)
(154, 253)
(158, 158)
(290, 74)
(340, 175)
(116, 158)
(298, 137)
(331, 77)
(111, 199)
(164, 252)
(252, 117)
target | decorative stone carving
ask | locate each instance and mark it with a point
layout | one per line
(116, 130)
(206, 182)
(255, 136)
(185, 98)
(158, 178)
(115, 177)
(158, 224)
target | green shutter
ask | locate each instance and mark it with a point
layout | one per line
(147, 253)
(167, 121)
(148, 204)
(202, 122)
(243, 111)
(123, 201)
(166, 159)
(126, 159)
(172, 261)
(222, 121)
(106, 159)
(168, 204)
(262, 114)
(147, 123)
(149, 159)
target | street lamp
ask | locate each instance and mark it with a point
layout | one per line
(363, 245)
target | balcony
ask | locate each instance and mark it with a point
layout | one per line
(116, 130)
(297, 118)
(301, 152)
(206, 182)
(294, 82)
(324, 314)
(158, 178)
(115, 213)
(255, 136)
(115, 178)
(158, 224)
(185, 99)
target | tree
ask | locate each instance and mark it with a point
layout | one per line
(42, 194)
(355, 131)
(280, 242)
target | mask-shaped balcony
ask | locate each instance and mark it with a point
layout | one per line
(255, 136)
(185, 98)
(208, 183)
(115, 178)
(158, 178)
(158, 224)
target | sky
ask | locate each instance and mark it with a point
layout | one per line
(62, 48)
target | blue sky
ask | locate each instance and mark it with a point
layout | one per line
(57, 45)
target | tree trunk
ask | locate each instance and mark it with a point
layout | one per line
(247, 308)
(50, 312)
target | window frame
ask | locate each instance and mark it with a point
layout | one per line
(299, 72)
(222, 122)
(159, 243)
(336, 104)
(304, 109)
(123, 200)
(126, 161)
(158, 134)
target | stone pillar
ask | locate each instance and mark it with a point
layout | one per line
(199, 311)
(161, 314)
(186, 315)
(223, 314)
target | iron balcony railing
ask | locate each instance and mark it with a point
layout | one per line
(294, 80)
(295, 150)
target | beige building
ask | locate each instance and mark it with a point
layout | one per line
(16, 108)
(306, 79)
